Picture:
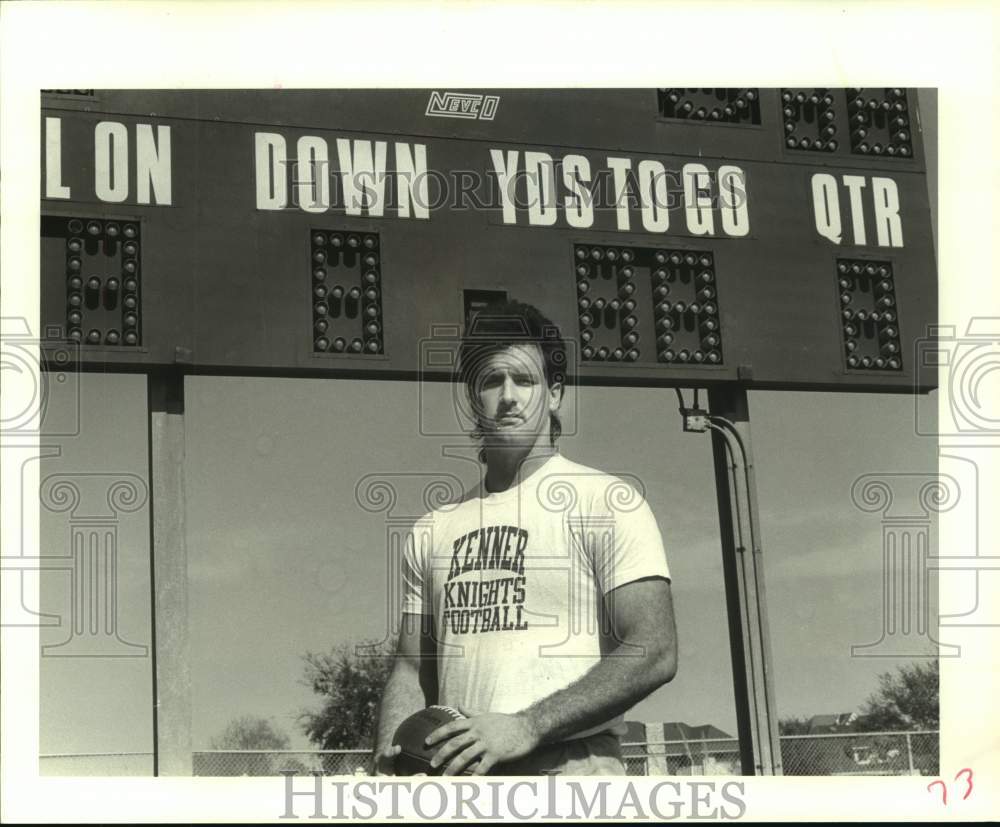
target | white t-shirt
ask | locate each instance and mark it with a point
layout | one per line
(515, 582)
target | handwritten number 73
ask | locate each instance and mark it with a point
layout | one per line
(966, 772)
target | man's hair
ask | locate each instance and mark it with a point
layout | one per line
(502, 325)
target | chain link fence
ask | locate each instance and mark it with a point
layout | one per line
(852, 753)
(856, 753)
(861, 753)
(273, 762)
(849, 753)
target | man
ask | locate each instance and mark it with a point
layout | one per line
(539, 605)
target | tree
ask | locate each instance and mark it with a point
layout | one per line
(906, 699)
(793, 726)
(349, 679)
(250, 732)
(247, 733)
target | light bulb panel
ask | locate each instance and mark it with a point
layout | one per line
(646, 305)
(346, 268)
(869, 321)
(874, 123)
(103, 269)
(734, 106)
(811, 119)
(880, 123)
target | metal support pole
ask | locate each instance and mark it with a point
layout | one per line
(909, 754)
(169, 576)
(742, 563)
(656, 749)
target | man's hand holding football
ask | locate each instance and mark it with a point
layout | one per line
(482, 740)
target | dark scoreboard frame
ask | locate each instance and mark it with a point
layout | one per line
(211, 283)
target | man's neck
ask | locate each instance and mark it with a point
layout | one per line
(506, 467)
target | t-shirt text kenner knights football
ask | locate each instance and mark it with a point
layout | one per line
(516, 582)
(479, 606)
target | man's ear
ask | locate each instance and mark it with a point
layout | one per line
(555, 396)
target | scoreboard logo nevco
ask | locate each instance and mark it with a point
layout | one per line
(462, 105)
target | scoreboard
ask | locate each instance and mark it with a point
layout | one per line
(778, 238)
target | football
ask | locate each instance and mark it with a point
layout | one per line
(415, 757)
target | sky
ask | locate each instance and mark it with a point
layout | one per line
(283, 560)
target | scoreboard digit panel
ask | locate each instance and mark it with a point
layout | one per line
(278, 247)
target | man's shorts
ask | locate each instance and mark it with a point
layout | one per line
(599, 754)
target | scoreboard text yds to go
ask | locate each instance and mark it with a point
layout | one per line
(780, 238)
